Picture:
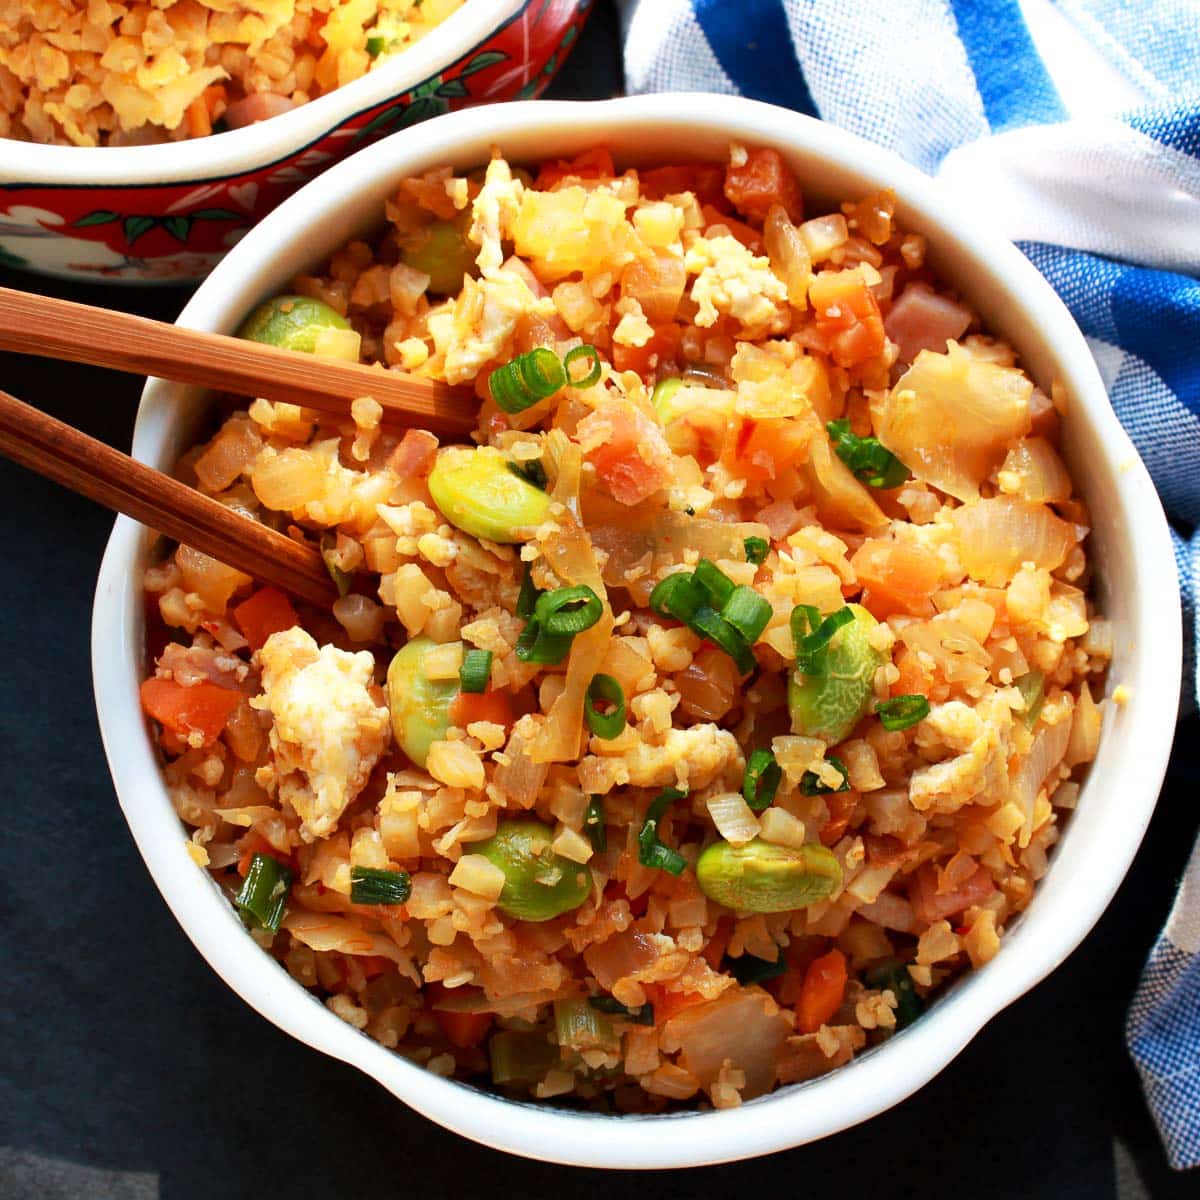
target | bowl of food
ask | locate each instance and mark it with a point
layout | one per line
(775, 686)
(140, 144)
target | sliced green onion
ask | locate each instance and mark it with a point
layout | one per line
(715, 582)
(264, 891)
(811, 783)
(685, 599)
(756, 550)
(593, 824)
(375, 46)
(811, 650)
(894, 977)
(761, 780)
(341, 579)
(750, 969)
(475, 671)
(530, 377)
(902, 712)
(710, 624)
(661, 595)
(661, 397)
(532, 472)
(520, 1057)
(527, 596)
(1032, 688)
(607, 724)
(535, 645)
(651, 852)
(805, 619)
(867, 457)
(608, 1004)
(567, 611)
(593, 375)
(370, 885)
(747, 612)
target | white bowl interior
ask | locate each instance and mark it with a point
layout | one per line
(1130, 545)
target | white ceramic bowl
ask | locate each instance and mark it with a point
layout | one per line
(1129, 543)
(168, 214)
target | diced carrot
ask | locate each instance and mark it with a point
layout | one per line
(764, 449)
(931, 905)
(596, 163)
(215, 100)
(647, 359)
(897, 577)
(747, 235)
(841, 807)
(468, 707)
(202, 708)
(634, 461)
(199, 120)
(706, 181)
(763, 180)
(463, 1029)
(265, 612)
(848, 317)
(822, 991)
(915, 678)
(714, 952)
(667, 1004)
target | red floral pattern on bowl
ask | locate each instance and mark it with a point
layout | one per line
(177, 229)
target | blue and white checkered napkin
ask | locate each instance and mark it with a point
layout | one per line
(1073, 126)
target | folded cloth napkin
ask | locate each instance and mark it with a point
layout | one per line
(1073, 127)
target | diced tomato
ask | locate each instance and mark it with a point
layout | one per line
(931, 905)
(748, 236)
(634, 460)
(848, 316)
(468, 707)
(414, 454)
(822, 991)
(667, 1004)
(647, 359)
(714, 952)
(202, 708)
(762, 180)
(897, 577)
(596, 163)
(764, 449)
(265, 612)
(841, 807)
(706, 181)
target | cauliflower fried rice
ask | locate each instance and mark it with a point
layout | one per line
(129, 72)
(805, 519)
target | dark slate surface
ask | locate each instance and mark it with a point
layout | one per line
(128, 1071)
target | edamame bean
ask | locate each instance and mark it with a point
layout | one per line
(761, 878)
(441, 250)
(829, 706)
(292, 322)
(538, 883)
(420, 706)
(475, 490)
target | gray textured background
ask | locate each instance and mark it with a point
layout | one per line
(128, 1071)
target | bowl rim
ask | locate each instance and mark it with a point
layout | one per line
(255, 147)
(873, 1081)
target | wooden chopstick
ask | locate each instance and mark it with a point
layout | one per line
(94, 469)
(51, 328)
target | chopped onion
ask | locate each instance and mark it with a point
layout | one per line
(952, 417)
(1034, 471)
(996, 536)
(1084, 741)
(841, 500)
(788, 254)
(1047, 752)
(620, 956)
(320, 931)
(733, 817)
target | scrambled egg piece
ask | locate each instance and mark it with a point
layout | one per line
(475, 329)
(493, 213)
(979, 740)
(732, 280)
(690, 758)
(328, 732)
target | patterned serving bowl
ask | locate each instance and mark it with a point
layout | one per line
(168, 214)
